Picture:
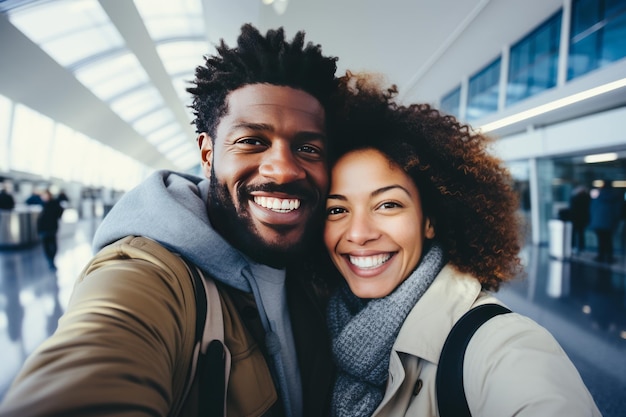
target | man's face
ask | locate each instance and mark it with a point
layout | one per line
(267, 170)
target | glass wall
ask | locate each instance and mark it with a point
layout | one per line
(534, 61)
(30, 141)
(571, 173)
(451, 102)
(483, 90)
(597, 36)
(6, 109)
(546, 207)
(34, 146)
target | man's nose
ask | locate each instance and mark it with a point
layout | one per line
(281, 165)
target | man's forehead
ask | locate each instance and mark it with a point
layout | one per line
(260, 95)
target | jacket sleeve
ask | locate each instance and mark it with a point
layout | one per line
(122, 348)
(514, 367)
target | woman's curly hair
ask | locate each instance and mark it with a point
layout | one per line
(259, 59)
(466, 191)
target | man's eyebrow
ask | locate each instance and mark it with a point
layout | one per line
(309, 136)
(373, 193)
(301, 136)
(253, 126)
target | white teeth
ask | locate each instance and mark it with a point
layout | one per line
(280, 205)
(368, 262)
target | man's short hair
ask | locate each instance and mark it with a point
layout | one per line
(268, 59)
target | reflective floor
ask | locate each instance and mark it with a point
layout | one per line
(583, 303)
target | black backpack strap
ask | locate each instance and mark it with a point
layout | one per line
(211, 366)
(211, 357)
(449, 383)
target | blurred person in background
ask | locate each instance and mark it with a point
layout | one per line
(48, 226)
(579, 213)
(7, 202)
(606, 213)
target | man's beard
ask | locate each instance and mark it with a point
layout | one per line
(238, 229)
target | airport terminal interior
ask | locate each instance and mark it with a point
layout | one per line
(93, 100)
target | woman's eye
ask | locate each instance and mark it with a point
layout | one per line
(389, 205)
(335, 210)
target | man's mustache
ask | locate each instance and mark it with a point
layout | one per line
(295, 189)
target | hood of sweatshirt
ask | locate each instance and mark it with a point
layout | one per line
(170, 208)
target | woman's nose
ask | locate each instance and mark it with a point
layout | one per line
(361, 229)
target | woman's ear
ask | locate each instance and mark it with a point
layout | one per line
(205, 143)
(429, 229)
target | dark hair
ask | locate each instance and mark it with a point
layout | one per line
(465, 190)
(259, 59)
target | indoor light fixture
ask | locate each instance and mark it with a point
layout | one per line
(600, 157)
(553, 105)
(279, 5)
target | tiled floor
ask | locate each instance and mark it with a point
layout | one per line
(581, 302)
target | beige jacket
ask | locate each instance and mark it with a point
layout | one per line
(513, 366)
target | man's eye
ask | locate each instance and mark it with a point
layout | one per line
(310, 151)
(250, 141)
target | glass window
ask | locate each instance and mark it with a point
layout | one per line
(598, 30)
(482, 98)
(451, 102)
(69, 31)
(5, 124)
(534, 61)
(177, 28)
(31, 141)
(64, 153)
(80, 36)
(113, 76)
(137, 103)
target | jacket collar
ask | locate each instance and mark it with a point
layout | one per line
(425, 329)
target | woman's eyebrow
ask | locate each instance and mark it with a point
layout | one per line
(388, 188)
(336, 197)
(373, 193)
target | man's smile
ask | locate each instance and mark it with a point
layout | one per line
(279, 205)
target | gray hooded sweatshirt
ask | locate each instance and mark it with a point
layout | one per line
(170, 208)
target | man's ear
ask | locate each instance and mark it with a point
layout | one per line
(205, 143)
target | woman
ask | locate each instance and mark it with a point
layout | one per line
(421, 224)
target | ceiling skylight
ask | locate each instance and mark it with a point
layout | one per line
(96, 47)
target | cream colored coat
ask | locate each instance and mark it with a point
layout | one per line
(513, 366)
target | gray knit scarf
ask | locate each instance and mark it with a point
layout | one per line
(363, 333)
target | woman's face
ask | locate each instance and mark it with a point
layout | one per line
(375, 228)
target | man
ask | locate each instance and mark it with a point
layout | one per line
(125, 343)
